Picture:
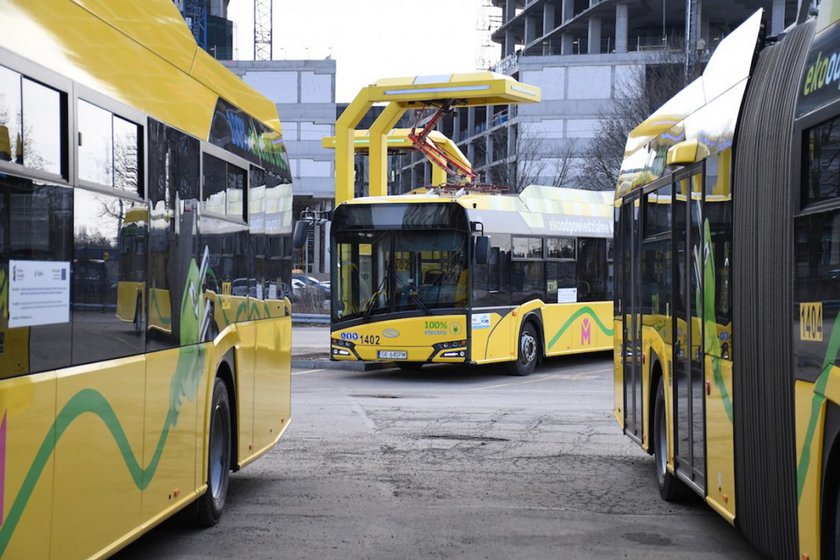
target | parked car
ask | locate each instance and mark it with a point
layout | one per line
(312, 283)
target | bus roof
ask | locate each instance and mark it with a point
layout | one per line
(139, 53)
(705, 111)
(537, 210)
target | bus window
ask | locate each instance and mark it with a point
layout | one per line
(11, 142)
(822, 144)
(491, 282)
(110, 257)
(592, 269)
(42, 122)
(35, 228)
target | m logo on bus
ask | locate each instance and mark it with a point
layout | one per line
(586, 331)
(811, 321)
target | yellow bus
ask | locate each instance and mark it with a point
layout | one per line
(131, 161)
(461, 275)
(727, 347)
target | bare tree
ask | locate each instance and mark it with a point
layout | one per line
(641, 93)
(530, 160)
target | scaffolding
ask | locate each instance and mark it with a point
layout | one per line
(195, 14)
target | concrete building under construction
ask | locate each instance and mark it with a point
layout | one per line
(582, 54)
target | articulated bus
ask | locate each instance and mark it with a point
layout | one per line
(134, 177)
(727, 309)
(457, 275)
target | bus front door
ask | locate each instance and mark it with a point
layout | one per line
(630, 300)
(688, 381)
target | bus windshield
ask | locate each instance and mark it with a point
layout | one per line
(386, 271)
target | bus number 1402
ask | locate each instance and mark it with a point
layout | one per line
(369, 339)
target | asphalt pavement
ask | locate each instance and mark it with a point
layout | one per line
(310, 346)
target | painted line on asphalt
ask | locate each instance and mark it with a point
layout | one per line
(533, 380)
(306, 371)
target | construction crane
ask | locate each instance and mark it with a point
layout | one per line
(195, 13)
(263, 14)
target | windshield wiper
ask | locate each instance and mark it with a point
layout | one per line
(413, 295)
(371, 303)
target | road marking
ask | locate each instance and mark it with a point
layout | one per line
(306, 371)
(534, 380)
(577, 376)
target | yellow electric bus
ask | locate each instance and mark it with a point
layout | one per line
(462, 274)
(131, 161)
(727, 347)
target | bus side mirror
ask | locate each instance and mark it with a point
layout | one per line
(482, 249)
(300, 234)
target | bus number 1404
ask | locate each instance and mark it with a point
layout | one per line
(810, 321)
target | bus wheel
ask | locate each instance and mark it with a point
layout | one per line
(671, 489)
(527, 349)
(210, 505)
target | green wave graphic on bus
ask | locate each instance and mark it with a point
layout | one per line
(711, 340)
(184, 387)
(585, 310)
(816, 405)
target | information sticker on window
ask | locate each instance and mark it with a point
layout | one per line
(39, 293)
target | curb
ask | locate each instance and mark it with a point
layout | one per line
(326, 363)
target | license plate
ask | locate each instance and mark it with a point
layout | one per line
(392, 354)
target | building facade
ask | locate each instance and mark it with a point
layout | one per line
(582, 54)
(304, 91)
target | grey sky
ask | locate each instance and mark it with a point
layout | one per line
(371, 39)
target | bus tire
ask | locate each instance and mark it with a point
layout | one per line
(211, 504)
(671, 488)
(527, 351)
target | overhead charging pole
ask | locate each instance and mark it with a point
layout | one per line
(404, 94)
(447, 154)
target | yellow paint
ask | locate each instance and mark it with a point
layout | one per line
(272, 384)
(618, 372)
(402, 94)
(84, 501)
(109, 50)
(414, 335)
(574, 340)
(811, 321)
(810, 500)
(24, 400)
(720, 452)
(104, 485)
(398, 139)
(378, 151)
(128, 295)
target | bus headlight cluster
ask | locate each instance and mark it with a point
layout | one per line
(344, 343)
(456, 344)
